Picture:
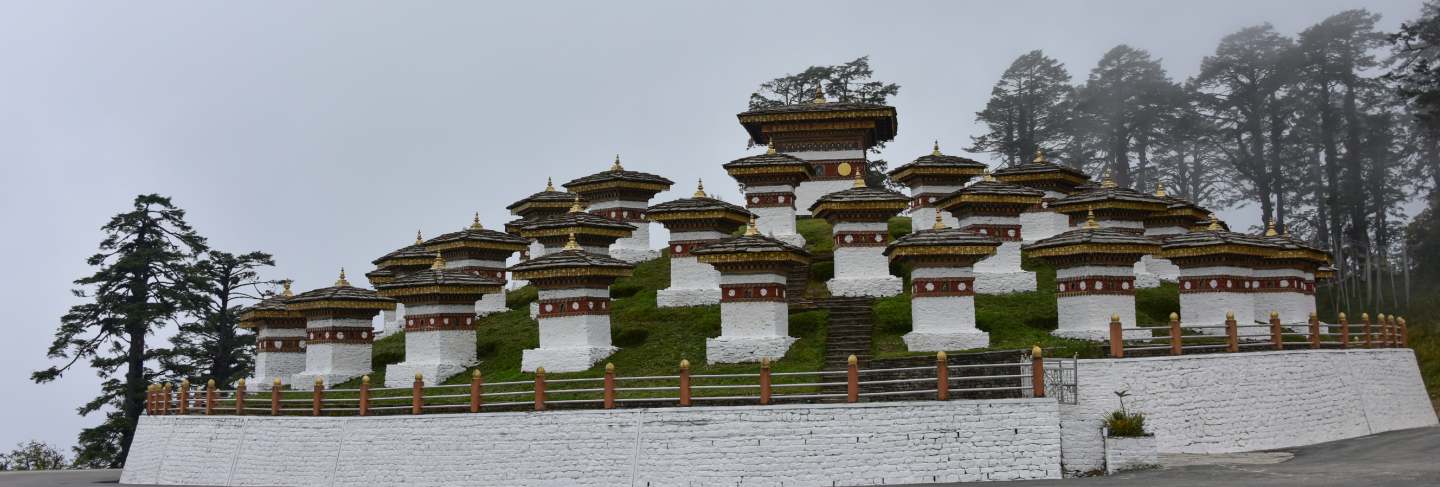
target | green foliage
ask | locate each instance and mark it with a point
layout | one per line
(631, 337)
(1154, 305)
(1425, 340)
(817, 235)
(899, 226)
(522, 297)
(1125, 425)
(32, 455)
(209, 343)
(822, 271)
(1029, 109)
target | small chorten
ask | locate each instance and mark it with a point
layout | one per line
(942, 286)
(544, 204)
(482, 252)
(859, 219)
(992, 208)
(397, 263)
(931, 177)
(622, 196)
(769, 181)
(1216, 272)
(338, 332)
(1119, 207)
(439, 322)
(694, 222)
(279, 338)
(754, 314)
(1094, 276)
(1057, 181)
(574, 307)
(594, 233)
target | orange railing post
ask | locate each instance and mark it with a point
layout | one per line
(365, 395)
(942, 377)
(417, 400)
(240, 397)
(1365, 318)
(477, 384)
(1390, 332)
(1232, 333)
(150, 399)
(1314, 331)
(852, 379)
(1277, 336)
(1404, 333)
(540, 389)
(184, 396)
(318, 398)
(1175, 343)
(764, 380)
(684, 382)
(275, 397)
(165, 396)
(1117, 337)
(609, 385)
(1344, 331)
(210, 397)
(1037, 371)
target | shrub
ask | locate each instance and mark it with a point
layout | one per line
(625, 290)
(1124, 425)
(521, 298)
(631, 337)
(822, 271)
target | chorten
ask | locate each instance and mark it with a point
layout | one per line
(1115, 207)
(859, 220)
(832, 136)
(1287, 278)
(931, 177)
(1057, 181)
(544, 204)
(594, 233)
(279, 339)
(574, 304)
(992, 208)
(622, 196)
(1179, 217)
(439, 325)
(754, 316)
(942, 286)
(337, 331)
(482, 252)
(402, 261)
(769, 181)
(1094, 276)
(694, 222)
(1216, 272)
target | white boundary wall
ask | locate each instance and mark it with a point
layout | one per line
(860, 444)
(1223, 403)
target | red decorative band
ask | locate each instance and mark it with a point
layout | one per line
(621, 214)
(942, 287)
(924, 200)
(784, 199)
(485, 272)
(682, 248)
(1218, 284)
(741, 293)
(1281, 284)
(340, 334)
(440, 322)
(1093, 285)
(836, 169)
(279, 345)
(862, 239)
(1309, 288)
(555, 308)
(1005, 233)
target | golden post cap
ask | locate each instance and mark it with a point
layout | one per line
(941, 356)
(365, 379)
(684, 364)
(1174, 316)
(609, 366)
(475, 374)
(1036, 351)
(852, 360)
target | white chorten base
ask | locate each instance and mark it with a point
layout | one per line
(1088, 317)
(391, 321)
(534, 310)
(272, 365)
(1040, 225)
(938, 342)
(678, 298)
(490, 304)
(438, 354)
(403, 373)
(942, 322)
(809, 191)
(564, 359)
(1209, 309)
(870, 286)
(777, 222)
(1004, 282)
(1162, 269)
(730, 350)
(632, 255)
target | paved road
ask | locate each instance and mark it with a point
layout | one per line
(1407, 458)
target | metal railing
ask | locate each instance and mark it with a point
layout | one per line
(1177, 338)
(938, 382)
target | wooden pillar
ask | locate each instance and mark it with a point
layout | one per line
(417, 401)
(165, 396)
(477, 385)
(184, 396)
(318, 397)
(1404, 333)
(1314, 331)
(210, 397)
(540, 389)
(1175, 342)
(609, 385)
(942, 377)
(150, 399)
(1232, 333)
(764, 380)
(1117, 337)
(240, 398)
(1365, 318)
(684, 382)
(852, 379)
(275, 397)
(365, 395)
(1344, 331)
(1277, 337)
(1037, 371)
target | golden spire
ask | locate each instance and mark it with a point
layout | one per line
(1039, 156)
(770, 147)
(987, 176)
(475, 224)
(439, 262)
(1160, 189)
(549, 184)
(1106, 181)
(616, 166)
(418, 238)
(859, 178)
(936, 150)
(1270, 228)
(572, 244)
(819, 93)
(1214, 224)
(750, 229)
(939, 224)
(1090, 222)
(341, 281)
(575, 207)
(287, 292)
(700, 188)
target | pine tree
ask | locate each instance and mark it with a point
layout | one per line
(1029, 109)
(141, 282)
(209, 344)
(1122, 104)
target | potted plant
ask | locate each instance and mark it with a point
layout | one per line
(1127, 445)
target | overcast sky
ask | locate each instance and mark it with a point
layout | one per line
(327, 133)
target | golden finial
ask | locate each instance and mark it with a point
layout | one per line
(819, 93)
(475, 224)
(609, 366)
(1270, 228)
(988, 176)
(1036, 351)
(341, 281)
(419, 377)
(936, 150)
(549, 184)
(859, 178)
(1214, 224)
(365, 379)
(1160, 189)
(418, 238)
(750, 229)
(939, 224)
(1039, 155)
(699, 188)
(575, 207)
(616, 166)
(572, 244)
(475, 374)
(684, 364)
(1090, 222)
(287, 292)
(1106, 181)
(319, 381)
(770, 147)
(852, 360)
(439, 262)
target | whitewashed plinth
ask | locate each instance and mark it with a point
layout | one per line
(730, 350)
(943, 322)
(922, 214)
(1087, 316)
(1162, 269)
(1001, 273)
(692, 283)
(1040, 225)
(775, 221)
(270, 365)
(391, 321)
(574, 342)
(679, 298)
(936, 342)
(335, 362)
(438, 355)
(633, 255)
(751, 329)
(1208, 293)
(809, 191)
(490, 304)
(433, 374)
(872, 286)
(636, 247)
(1131, 453)
(564, 359)
(861, 268)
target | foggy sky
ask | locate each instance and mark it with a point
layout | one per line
(327, 133)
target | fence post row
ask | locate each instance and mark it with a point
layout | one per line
(1365, 318)
(365, 395)
(1037, 371)
(318, 399)
(765, 380)
(1314, 331)
(417, 401)
(275, 397)
(1175, 343)
(609, 386)
(540, 389)
(942, 377)
(852, 379)
(1277, 334)
(1117, 338)
(477, 387)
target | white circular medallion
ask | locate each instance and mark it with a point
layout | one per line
(1099, 285)
(1214, 284)
(340, 335)
(929, 286)
(1082, 285)
(276, 343)
(764, 292)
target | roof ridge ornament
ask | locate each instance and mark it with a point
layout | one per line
(1160, 189)
(475, 224)
(936, 150)
(770, 147)
(439, 262)
(939, 224)
(700, 189)
(1214, 224)
(859, 178)
(418, 238)
(616, 166)
(575, 207)
(1090, 222)
(1039, 156)
(988, 176)
(287, 292)
(1107, 181)
(1270, 228)
(341, 281)
(750, 229)
(549, 184)
(571, 244)
(819, 93)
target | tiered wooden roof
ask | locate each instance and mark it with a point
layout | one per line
(1040, 173)
(339, 296)
(937, 168)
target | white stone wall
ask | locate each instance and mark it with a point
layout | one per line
(1224, 403)
(943, 322)
(1130, 453)
(831, 444)
(1209, 308)
(570, 343)
(1088, 317)
(1040, 225)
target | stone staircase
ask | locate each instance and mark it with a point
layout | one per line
(849, 330)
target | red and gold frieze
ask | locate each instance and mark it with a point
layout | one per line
(682, 248)
(779, 199)
(942, 287)
(862, 239)
(925, 200)
(555, 308)
(836, 169)
(279, 345)
(491, 272)
(1004, 233)
(1219, 283)
(339, 334)
(440, 322)
(742, 293)
(1280, 284)
(627, 215)
(1094, 285)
